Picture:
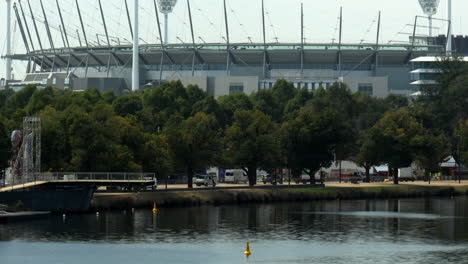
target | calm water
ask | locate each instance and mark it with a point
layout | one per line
(393, 231)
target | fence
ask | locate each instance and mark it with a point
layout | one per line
(9, 180)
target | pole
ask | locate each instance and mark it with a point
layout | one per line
(430, 26)
(20, 25)
(136, 62)
(264, 42)
(166, 28)
(227, 40)
(8, 41)
(377, 45)
(128, 18)
(449, 35)
(302, 42)
(26, 25)
(414, 32)
(63, 25)
(458, 159)
(161, 41)
(49, 35)
(339, 41)
(193, 38)
(82, 25)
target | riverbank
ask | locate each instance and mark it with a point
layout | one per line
(103, 201)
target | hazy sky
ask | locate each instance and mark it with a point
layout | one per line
(282, 19)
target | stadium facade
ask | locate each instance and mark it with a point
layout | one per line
(379, 70)
(221, 68)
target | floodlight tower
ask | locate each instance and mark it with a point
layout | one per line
(166, 7)
(449, 35)
(430, 9)
(136, 50)
(8, 42)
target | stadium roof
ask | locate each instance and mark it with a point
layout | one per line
(241, 53)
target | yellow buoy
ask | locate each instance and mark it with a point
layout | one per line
(247, 252)
(155, 209)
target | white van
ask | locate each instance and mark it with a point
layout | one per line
(236, 176)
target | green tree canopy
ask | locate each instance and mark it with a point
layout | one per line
(251, 142)
(195, 142)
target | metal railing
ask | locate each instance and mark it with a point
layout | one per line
(75, 176)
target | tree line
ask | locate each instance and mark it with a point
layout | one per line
(175, 128)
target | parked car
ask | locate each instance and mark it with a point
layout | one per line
(304, 179)
(273, 179)
(355, 178)
(205, 180)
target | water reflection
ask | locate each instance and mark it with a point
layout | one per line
(418, 220)
(426, 230)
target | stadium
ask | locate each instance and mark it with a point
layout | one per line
(219, 68)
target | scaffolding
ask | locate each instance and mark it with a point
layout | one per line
(28, 161)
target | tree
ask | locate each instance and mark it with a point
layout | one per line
(195, 142)
(446, 101)
(5, 146)
(308, 140)
(40, 99)
(369, 153)
(338, 100)
(365, 150)
(229, 104)
(156, 156)
(397, 134)
(251, 142)
(128, 105)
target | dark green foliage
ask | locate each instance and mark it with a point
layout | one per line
(174, 128)
(128, 105)
(195, 143)
(5, 145)
(252, 142)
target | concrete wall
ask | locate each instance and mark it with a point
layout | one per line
(379, 84)
(201, 82)
(117, 85)
(399, 79)
(222, 84)
(219, 86)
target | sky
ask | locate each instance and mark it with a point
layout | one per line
(245, 22)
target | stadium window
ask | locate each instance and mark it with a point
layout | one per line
(236, 87)
(366, 88)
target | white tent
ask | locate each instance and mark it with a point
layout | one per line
(450, 163)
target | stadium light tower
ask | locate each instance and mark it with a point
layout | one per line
(136, 50)
(166, 7)
(430, 8)
(8, 42)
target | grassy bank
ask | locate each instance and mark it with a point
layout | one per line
(219, 197)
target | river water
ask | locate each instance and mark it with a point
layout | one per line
(383, 231)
